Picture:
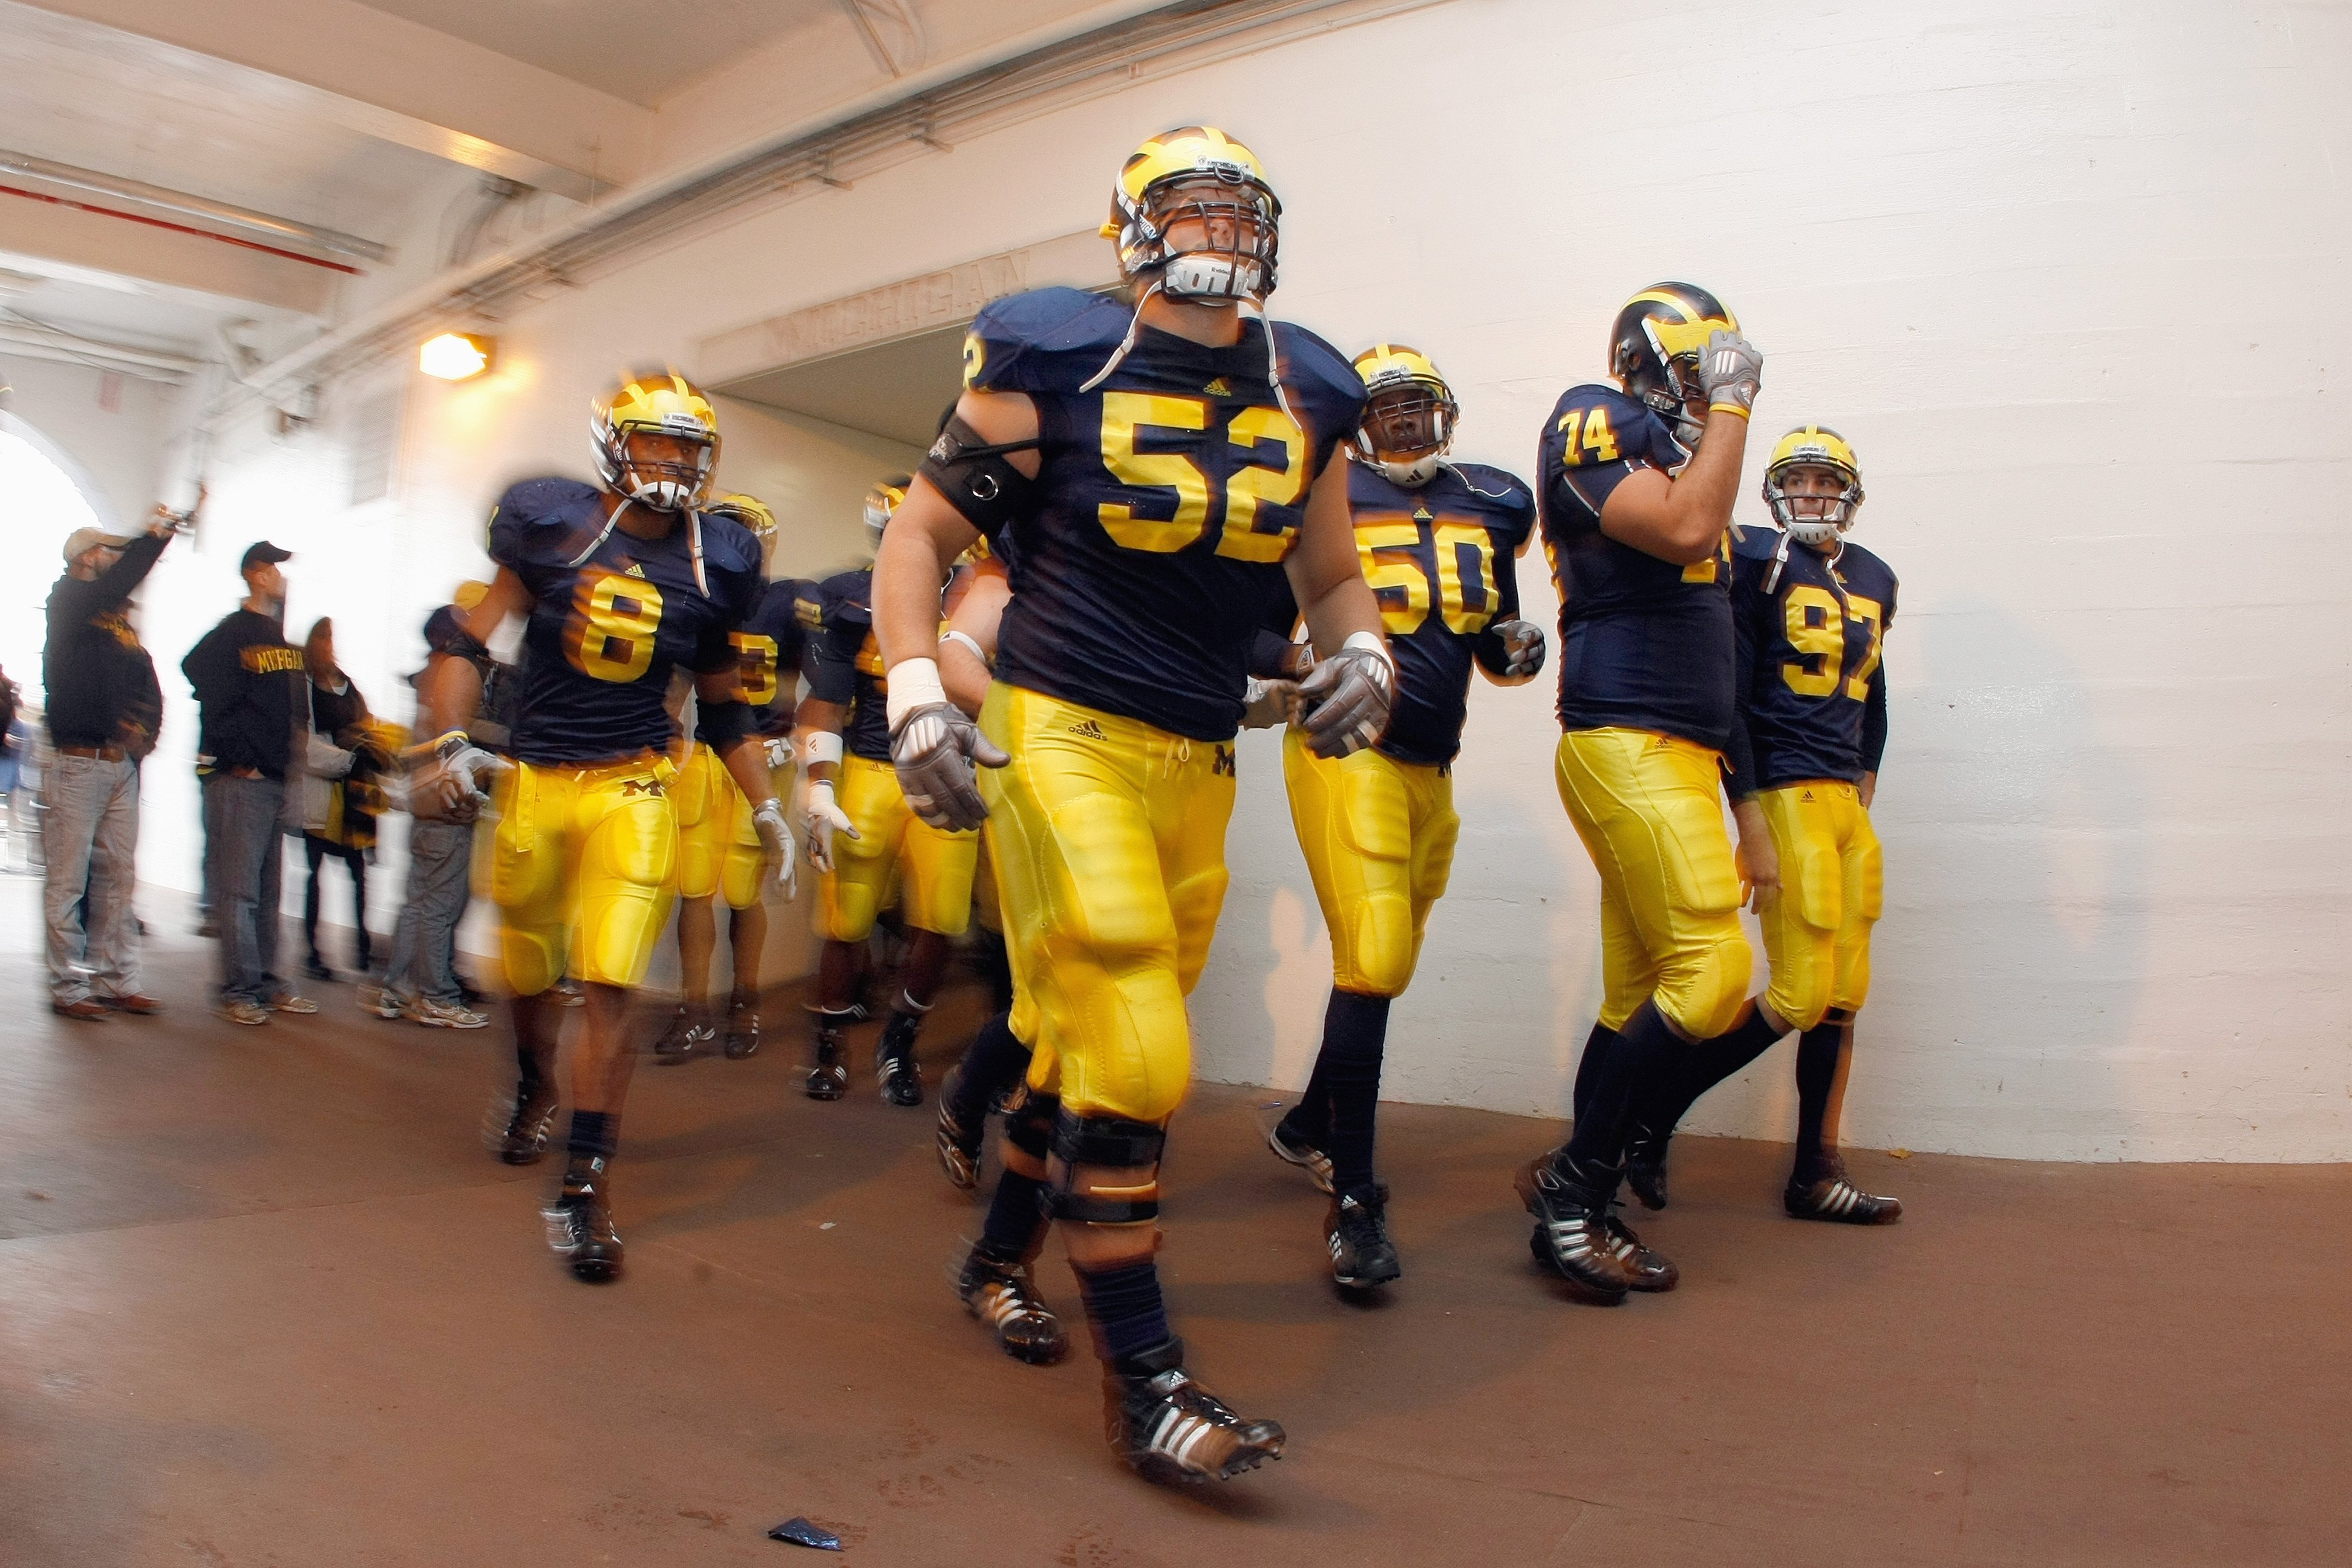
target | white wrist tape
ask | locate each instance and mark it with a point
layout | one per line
(914, 683)
(822, 746)
(1374, 641)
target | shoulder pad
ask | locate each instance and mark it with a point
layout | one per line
(1047, 340)
(844, 596)
(728, 545)
(532, 508)
(1868, 558)
(1307, 358)
(1499, 488)
(1755, 542)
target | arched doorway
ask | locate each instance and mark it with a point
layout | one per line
(44, 497)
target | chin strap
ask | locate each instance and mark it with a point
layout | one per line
(1126, 344)
(693, 538)
(610, 523)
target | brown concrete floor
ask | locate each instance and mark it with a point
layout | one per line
(264, 1300)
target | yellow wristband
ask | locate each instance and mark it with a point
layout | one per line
(1727, 408)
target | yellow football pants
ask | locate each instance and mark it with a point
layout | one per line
(1650, 810)
(583, 863)
(933, 870)
(1833, 887)
(1108, 837)
(718, 850)
(1379, 838)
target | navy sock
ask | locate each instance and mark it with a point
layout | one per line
(1016, 1219)
(1309, 1121)
(993, 1062)
(1702, 1066)
(1645, 1048)
(595, 1134)
(1820, 1050)
(1355, 1030)
(1124, 1304)
(1597, 1046)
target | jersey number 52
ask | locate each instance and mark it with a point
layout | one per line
(1125, 414)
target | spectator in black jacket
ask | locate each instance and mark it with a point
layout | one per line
(341, 800)
(104, 710)
(254, 699)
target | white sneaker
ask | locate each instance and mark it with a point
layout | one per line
(435, 1015)
(291, 1002)
(379, 1001)
(241, 1011)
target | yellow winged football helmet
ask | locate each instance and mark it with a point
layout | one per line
(655, 403)
(881, 501)
(1196, 174)
(1815, 445)
(1654, 347)
(1409, 413)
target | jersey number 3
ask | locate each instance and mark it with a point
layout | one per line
(614, 620)
(1125, 414)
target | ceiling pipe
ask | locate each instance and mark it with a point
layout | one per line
(286, 230)
(49, 342)
(180, 229)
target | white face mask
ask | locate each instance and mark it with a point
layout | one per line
(1412, 475)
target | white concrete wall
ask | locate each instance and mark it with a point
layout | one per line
(2070, 277)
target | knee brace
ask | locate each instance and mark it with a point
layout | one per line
(1090, 1146)
(1030, 1125)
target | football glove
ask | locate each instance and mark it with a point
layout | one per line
(1730, 368)
(1346, 697)
(776, 840)
(821, 819)
(447, 776)
(1267, 703)
(780, 750)
(934, 747)
(1523, 648)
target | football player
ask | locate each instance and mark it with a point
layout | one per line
(719, 848)
(1635, 492)
(619, 584)
(1158, 467)
(862, 833)
(1439, 543)
(1810, 612)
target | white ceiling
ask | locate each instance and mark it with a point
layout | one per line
(638, 50)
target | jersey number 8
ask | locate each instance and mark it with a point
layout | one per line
(614, 622)
(1126, 413)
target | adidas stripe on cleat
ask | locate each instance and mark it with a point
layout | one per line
(1837, 1200)
(1004, 1297)
(1572, 1234)
(1298, 1151)
(1357, 1231)
(1645, 1270)
(1166, 1427)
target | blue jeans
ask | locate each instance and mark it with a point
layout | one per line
(89, 842)
(440, 864)
(246, 854)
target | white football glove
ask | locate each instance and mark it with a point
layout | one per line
(780, 750)
(934, 745)
(1730, 369)
(776, 839)
(446, 778)
(821, 818)
(1523, 648)
(1346, 697)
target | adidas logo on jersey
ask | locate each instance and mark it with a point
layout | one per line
(1088, 730)
(1219, 388)
(635, 571)
(1420, 514)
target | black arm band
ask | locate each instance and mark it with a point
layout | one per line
(977, 482)
(719, 725)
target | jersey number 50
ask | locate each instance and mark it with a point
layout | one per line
(1126, 413)
(1404, 580)
(614, 620)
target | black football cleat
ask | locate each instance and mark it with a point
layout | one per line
(959, 1145)
(1004, 1297)
(1298, 1151)
(894, 1071)
(1166, 1427)
(522, 1138)
(1357, 1231)
(1571, 1235)
(688, 1032)
(1646, 1267)
(1828, 1196)
(828, 1079)
(743, 1028)
(1645, 1165)
(579, 1225)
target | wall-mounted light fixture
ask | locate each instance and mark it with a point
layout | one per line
(454, 356)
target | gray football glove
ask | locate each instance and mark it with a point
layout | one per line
(446, 778)
(1523, 647)
(1346, 698)
(1730, 368)
(822, 819)
(1266, 704)
(776, 840)
(934, 747)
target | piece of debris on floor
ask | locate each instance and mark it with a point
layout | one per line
(800, 1532)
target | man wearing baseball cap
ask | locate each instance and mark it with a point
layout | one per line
(104, 709)
(253, 700)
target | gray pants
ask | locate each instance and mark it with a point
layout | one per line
(89, 840)
(440, 865)
(245, 855)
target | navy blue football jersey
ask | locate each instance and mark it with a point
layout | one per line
(768, 652)
(1442, 562)
(603, 636)
(1644, 644)
(844, 661)
(1810, 672)
(1170, 494)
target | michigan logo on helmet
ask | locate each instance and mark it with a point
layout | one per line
(750, 511)
(881, 501)
(1813, 445)
(1408, 421)
(1654, 347)
(655, 403)
(1194, 212)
